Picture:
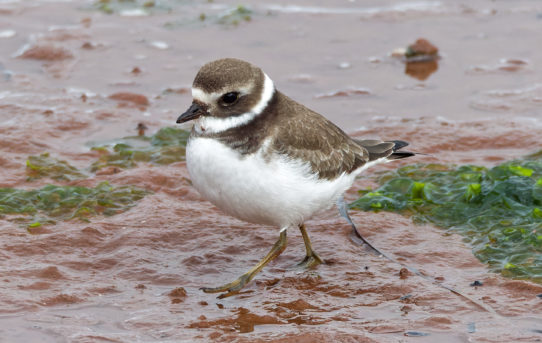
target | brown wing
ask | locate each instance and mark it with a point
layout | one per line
(308, 136)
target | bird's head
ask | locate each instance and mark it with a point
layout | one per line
(228, 93)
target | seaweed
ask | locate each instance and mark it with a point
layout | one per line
(498, 210)
(136, 7)
(51, 202)
(231, 17)
(164, 147)
(46, 166)
(235, 16)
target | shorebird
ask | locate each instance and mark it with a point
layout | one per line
(264, 158)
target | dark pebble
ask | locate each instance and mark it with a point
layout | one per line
(476, 283)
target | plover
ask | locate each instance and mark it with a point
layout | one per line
(262, 157)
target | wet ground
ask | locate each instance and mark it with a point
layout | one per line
(72, 74)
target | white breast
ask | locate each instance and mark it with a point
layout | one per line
(269, 190)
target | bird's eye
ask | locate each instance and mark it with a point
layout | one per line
(230, 98)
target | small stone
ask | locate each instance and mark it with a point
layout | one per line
(177, 295)
(88, 46)
(178, 292)
(421, 47)
(404, 273)
(477, 283)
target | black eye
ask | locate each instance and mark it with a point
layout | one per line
(230, 98)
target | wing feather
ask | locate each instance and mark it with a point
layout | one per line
(310, 137)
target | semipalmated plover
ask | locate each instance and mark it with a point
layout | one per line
(262, 157)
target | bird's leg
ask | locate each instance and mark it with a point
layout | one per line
(355, 236)
(235, 286)
(311, 259)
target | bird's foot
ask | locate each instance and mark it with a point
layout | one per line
(231, 288)
(235, 286)
(310, 261)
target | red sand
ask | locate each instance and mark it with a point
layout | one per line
(70, 76)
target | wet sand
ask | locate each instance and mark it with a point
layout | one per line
(71, 76)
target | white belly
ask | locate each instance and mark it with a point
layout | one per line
(270, 191)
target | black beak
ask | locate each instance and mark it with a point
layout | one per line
(192, 113)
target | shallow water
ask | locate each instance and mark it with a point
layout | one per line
(72, 76)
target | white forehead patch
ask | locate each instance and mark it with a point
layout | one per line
(209, 98)
(204, 97)
(214, 124)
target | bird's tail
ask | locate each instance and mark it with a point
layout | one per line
(378, 149)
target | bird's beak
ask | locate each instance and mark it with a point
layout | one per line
(193, 112)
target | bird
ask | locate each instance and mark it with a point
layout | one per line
(262, 157)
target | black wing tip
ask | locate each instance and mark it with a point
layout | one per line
(379, 149)
(397, 155)
(399, 145)
(400, 155)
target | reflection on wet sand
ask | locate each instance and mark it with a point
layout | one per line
(421, 70)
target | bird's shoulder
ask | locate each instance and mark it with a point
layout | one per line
(305, 135)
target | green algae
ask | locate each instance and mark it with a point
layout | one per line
(144, 7)
(231, 17)
(498, 210)
(164, 147)
(51, 202)
(235, 16)
(46, 166)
